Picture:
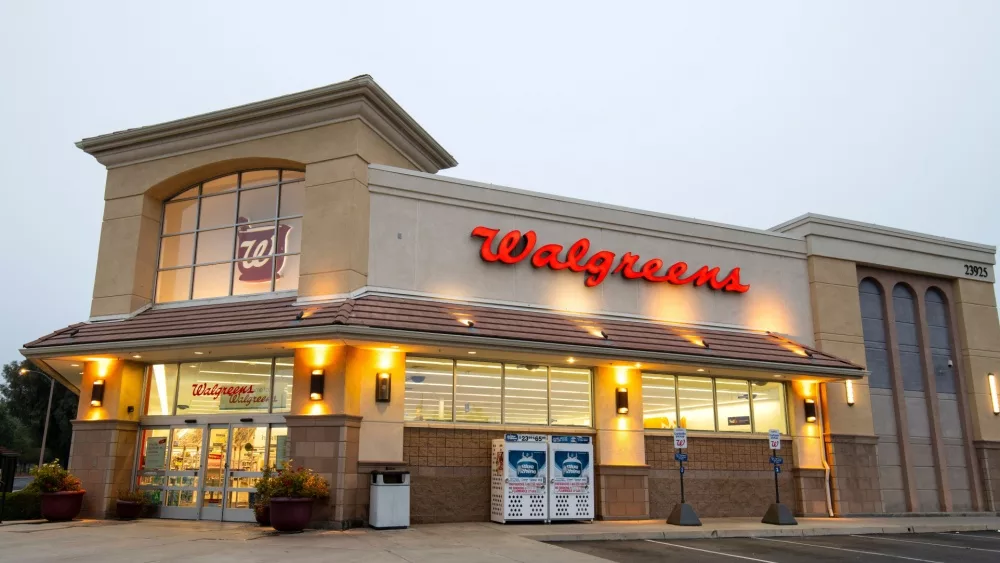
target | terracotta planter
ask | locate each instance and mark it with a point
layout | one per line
(263, 514)
(65, 505)
(291, 514)
(128, 510)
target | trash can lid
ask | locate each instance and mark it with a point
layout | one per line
(390, 472)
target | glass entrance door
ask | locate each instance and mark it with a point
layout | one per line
(184, 462)
(234, 460)
(216, 462)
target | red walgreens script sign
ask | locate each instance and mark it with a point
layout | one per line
(599, 265)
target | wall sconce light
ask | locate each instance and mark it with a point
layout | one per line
(97, 393)
(316, 381)
(621, 400)
(810, 410)
(383, 387)
(992, 379)
(850, 393)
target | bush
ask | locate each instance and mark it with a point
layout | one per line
(264, 487)
(126, 495)
(297, 483)
(22, 505)
(53, 478)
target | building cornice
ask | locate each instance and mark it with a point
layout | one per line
(358, 98)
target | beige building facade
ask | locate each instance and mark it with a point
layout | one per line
(293, 280)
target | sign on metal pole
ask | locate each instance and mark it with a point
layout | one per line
(774, 439)
(680, 438)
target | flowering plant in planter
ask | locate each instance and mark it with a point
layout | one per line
(129, 504)
(62, 494)
(293, 491)
(262, 500)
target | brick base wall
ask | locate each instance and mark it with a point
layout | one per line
(810, 492)
(988, 454)
(101, 456)
(725, 476)
(329, 446)
(449, 474)
(854, 474)
(622, 492)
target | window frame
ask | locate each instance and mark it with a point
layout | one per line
(503, 394)
(277, 220)
(715, 403)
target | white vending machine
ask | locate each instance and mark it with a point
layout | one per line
(571, 478)
(518, 478)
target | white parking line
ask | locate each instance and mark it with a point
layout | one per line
(712, 552)
(928, 543)
(851, 550)
(977, 536)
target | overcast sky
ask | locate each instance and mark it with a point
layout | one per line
(741, 112)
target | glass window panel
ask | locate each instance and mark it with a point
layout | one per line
(694, 398)
(659, 401)
(525, 394)
(282, 400)
(217, 211)
(212, 281)
(289, 237)
(292, 175)
(161, 383)
(256, 178)
(215, 246)
(186, 194)
(259, 204)
(229, 386)
(185, 452)
(569, 396)
(733, 402)
(288, 273)
(255, 244)
(218, 185)
(477, 392)
(215, 463)
(279, 450)
(152, 462)
(173, 285)
(249, 446)
(180, 217)
(176, 251)
(428, 393)
(293, 197)
(769, 407)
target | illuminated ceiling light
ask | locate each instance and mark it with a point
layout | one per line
(394, 346)
(638, 365)
(570, 360)
(701, 369)
(74, 365)
(198, 353)
(850, 393)
(136, 356)
(992, 379)
(472, 352)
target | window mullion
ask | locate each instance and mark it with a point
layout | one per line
(715, 405)
(503, 393)
(454, 383)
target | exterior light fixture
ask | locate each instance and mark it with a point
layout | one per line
(850, 393)
(621, 400)
(316, 381)
(604, 335)
(383, 387)
(700, 370)
(705, 343)
(638, 365)
(570, 360)
(810, 410)
(468, 322)
(97, 393)
(473, 352)
(136, 356)
(992, 379)
(198, 353)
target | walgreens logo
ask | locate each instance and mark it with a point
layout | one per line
(237, 394)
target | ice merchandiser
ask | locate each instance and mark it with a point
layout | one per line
(519, 477)
(571, 478)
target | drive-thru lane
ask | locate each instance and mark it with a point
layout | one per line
(971, 547)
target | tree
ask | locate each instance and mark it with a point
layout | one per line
(23, 400)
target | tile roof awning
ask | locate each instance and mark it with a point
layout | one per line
(427, 321)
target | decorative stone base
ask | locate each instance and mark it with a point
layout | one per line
(810, 492)
(329, 446)
(622, 492)
(854, 474)
(101, 456)
(988, 454)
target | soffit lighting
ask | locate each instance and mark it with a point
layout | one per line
(570, 360)
(136, 356)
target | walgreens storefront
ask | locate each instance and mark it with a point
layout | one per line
(292, 280)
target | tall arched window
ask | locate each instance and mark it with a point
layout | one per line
(940, 339)
(904, 305)
(235, 235)
(873, 326)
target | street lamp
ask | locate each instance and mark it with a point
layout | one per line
(48, 410)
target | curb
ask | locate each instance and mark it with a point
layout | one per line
(714, 533)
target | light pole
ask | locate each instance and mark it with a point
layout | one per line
(48, 411)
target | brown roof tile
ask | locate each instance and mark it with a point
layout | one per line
(444, 318)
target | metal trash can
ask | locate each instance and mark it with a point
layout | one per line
(390, 500)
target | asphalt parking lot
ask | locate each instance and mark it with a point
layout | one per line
(967, 547)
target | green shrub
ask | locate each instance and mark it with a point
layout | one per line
(22, 505)
(53, 478)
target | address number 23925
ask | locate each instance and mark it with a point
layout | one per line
(977, 271)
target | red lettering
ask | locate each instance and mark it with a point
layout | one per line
(597, 268)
